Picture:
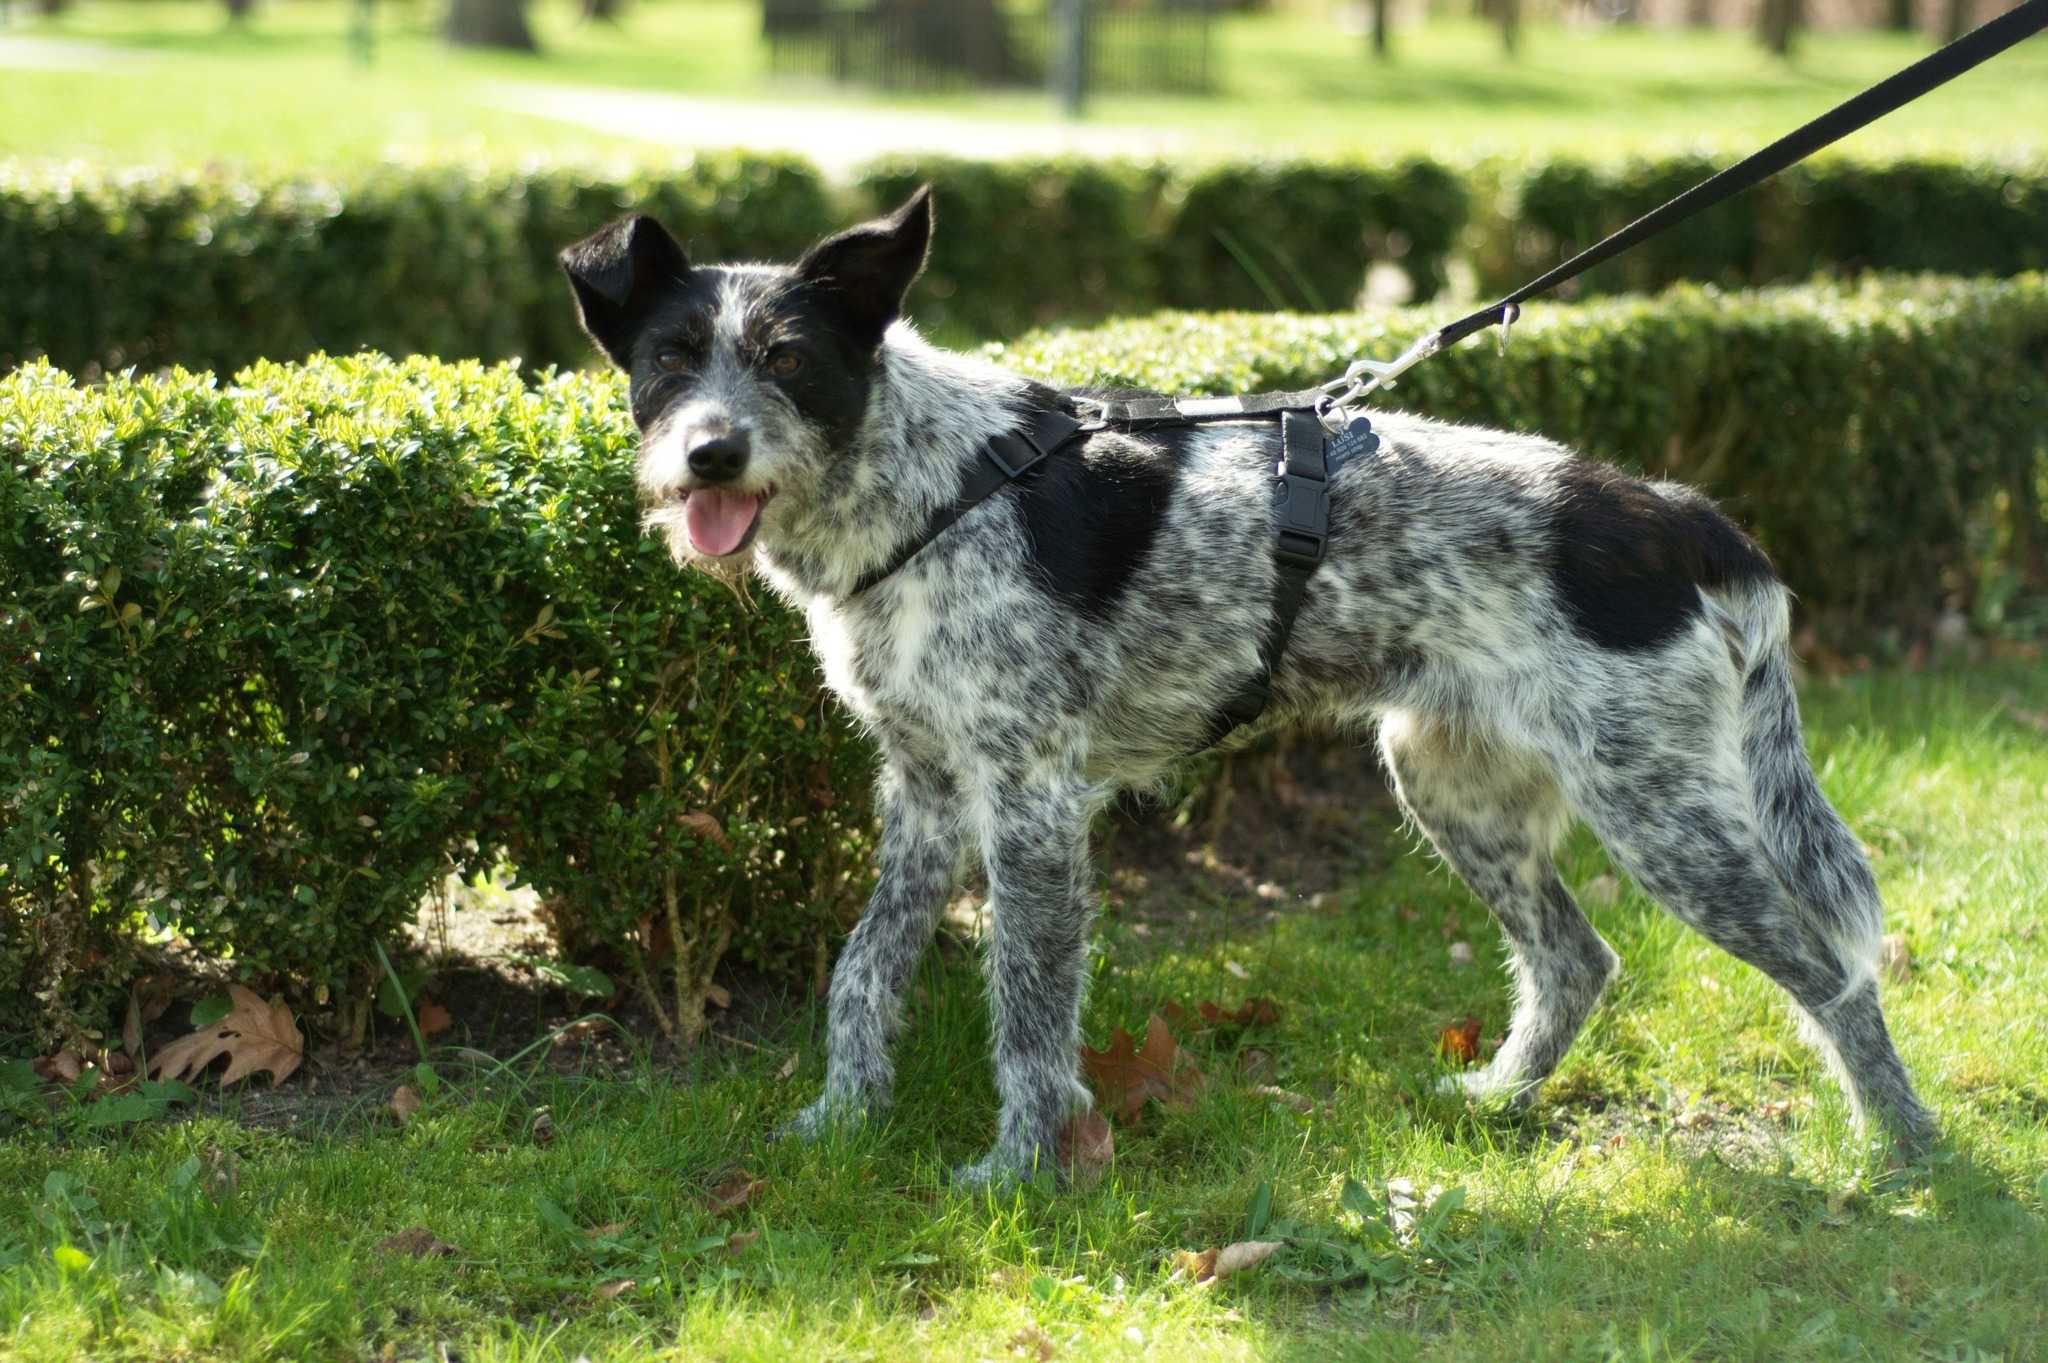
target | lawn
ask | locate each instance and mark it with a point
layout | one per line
(1688, 1187)
(284, 88)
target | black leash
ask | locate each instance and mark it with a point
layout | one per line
(1930, 72)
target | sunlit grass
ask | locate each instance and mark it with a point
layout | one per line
(1688, 1188)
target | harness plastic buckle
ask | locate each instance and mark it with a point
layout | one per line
(1302, 528)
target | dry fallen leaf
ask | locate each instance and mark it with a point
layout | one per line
(254, 1036)
(542, 1129)
(405, 1101)
(1459, 1043)
(1126, 1075)
(1255, 1066)
(433, 1018)
(1237, 971)
(1033, 1342)
(1461, 955)
(1300, 1102)
(615, 1288)
(1252, 1012)
(739, 1240)
(1895, 958)
(223, 1173)
(1600, 892)
(733, 1192)
(1210, 1264)
(416, 1242)
(705, 825)
(600, 1232)
(1087, 1146)
(59, 1067)
(718, 996)
(2033, 719)
(788, 1067)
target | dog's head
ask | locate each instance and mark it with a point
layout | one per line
(748, 382)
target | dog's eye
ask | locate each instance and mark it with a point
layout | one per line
(669, 360)
(785, 364)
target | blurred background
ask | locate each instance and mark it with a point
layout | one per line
(339, 83)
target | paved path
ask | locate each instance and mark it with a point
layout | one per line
(57, 54)
(837, 137)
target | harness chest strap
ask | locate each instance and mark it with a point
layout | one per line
(1301, 500)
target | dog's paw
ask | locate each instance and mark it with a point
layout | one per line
(998, 1169)
(825, 1115)
(1486, 1088)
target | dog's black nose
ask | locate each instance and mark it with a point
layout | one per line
(719, 458)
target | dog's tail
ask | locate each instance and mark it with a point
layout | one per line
(1818, 859)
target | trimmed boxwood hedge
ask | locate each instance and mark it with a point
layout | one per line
(276, 653)
(1835, 215)
(101, 271)
(210, 270)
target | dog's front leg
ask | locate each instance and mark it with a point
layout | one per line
(920, 858)
(1034, 834)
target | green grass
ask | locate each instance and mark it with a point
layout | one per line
(284, 88)
(1652, 1207)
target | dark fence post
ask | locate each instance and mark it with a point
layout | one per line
(1070, 69)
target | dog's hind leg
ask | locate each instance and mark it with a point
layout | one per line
(1683, 788)
(1034, 835)
(920, 857)
(1495, 816)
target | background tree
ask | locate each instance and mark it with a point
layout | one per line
(489, 23)
(1380, 47)
(1777, 24)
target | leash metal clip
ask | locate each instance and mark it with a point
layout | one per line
(1364, 376)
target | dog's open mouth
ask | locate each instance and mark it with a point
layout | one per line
(719, 522)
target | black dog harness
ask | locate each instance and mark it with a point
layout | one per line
(1310, 455)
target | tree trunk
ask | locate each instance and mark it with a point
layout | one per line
(1700, 13)
(1380, 47)
(238, 10)
(50, 9)
(489, 23)
(1510, 25)
(1899, 16)
(1778, 22)
(1955, 19)
(604, 11)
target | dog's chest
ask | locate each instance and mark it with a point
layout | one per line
(878, 663)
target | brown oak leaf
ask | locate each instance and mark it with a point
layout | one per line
(1201, 1266)
(416, 1242)
(60, 1067)
(733, 1192)
(405, 1100)
(1459, 1043)
(433, 1018)
(254, 1036)
(1126, 1075)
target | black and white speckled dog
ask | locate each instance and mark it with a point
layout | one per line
(1538, 638)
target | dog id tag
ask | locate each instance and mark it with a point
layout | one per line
(1356, 438)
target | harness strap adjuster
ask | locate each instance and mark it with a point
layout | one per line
(1013, 452)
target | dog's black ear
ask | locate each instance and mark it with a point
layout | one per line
(614, 272)
(866, 270)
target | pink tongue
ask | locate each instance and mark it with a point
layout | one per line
(718, 521)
